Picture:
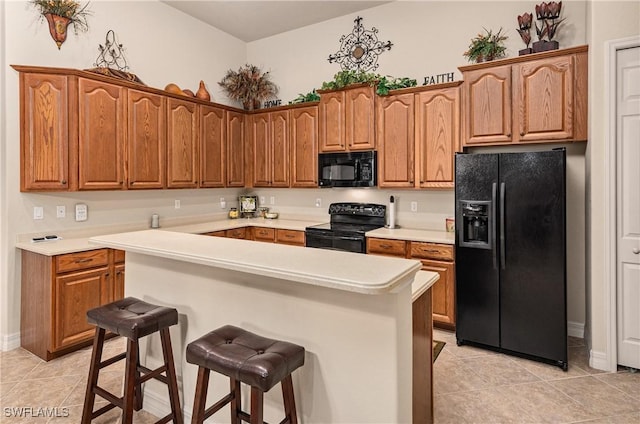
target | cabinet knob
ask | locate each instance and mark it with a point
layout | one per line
(509, 135)
(522, 134)
(636, 250)
(63, 181)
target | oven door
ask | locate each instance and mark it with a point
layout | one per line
(336, 242)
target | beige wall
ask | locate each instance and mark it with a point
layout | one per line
(625, 19)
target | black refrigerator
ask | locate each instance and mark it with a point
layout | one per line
(511, 253)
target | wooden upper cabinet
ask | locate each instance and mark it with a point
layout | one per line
(235, 149)
(279, 140)
(270, 149)
(183, 128)
(259, 135)
(529, 99)
(437, 136)
(487, 103)
(395, 121)
(44, 136)
(347, 119)
(146, 140)
(332, 126)
(360, 118)
(101, 135)
(543, 90)
(213, 135)
(304, 146)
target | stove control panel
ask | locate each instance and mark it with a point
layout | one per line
(362, 209)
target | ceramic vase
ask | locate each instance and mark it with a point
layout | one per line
(58, 28)
(202, 93)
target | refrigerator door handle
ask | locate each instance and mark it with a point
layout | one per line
(502, 247)
(494, 195)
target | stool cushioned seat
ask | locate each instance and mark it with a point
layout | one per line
(132, 318)
(247, 357)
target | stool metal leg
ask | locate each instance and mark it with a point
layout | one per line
(289, 400)
(236, 403)
(92, 380)
(172, 381)
(256, 405)
(199, 403)
(130, 381)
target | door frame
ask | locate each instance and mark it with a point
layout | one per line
(610, 75)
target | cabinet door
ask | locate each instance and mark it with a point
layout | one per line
(396, 141)
(304, 147)
(146, 140)
(279, 155)
(101, 135)
(443, 292)
(332, 125)
(544, 92)
(182, 143)
(360, 118)
(118, 282)
(74, 294)
(235, 149)
(487, 106)
(213, 136)
(437, 135)
(44, 136)
(260, 142)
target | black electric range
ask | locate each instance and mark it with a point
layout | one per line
(347, 227)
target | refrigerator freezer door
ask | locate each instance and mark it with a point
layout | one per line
(477, 284)
(533, 278)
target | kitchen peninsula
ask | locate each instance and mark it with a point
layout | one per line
(352, 313)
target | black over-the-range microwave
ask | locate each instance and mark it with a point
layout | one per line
(349, 169)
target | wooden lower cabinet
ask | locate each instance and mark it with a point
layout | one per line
(264, 234)
(435, 257)
(292, 237)
(237, 233)
(58, 291)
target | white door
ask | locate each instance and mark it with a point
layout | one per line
(628, 205)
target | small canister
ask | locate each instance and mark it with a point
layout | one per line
(262, 212)
(233, 213)
(450, 225)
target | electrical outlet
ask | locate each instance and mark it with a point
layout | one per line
(272, 200)
(38, 212)
(318, 202)
(223, 204)
(176, 204)
(414, 206)
(61, 211)
(263, 201)
(82, 212)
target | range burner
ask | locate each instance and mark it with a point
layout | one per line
(347, 228)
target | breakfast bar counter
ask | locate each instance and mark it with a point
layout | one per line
(351, 312)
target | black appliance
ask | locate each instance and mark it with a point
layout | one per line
(346, 231)
(510, 253)
(350, 169)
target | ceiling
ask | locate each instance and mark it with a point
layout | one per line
(253, 20)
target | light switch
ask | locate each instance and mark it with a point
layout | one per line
(82, 212)
(38, 212)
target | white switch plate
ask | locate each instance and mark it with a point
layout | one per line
(318, 202)
(82, 212)
(61, 211)
(414, 206)
(263, 201)
(38, 212)
(223, 203)
(176, 204)
(272, 200)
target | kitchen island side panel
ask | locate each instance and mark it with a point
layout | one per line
(358, 346)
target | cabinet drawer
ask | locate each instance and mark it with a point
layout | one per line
(442, 252)
(239, 233)
(290, 237)
(264, 234)
(387, 247)
(118, 256)
(82, 260)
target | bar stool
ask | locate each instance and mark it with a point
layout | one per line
(131, 318)
(248, 358)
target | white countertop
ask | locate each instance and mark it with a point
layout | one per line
(429, 236)
(335, 269)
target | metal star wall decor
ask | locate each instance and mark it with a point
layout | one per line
(359, 50)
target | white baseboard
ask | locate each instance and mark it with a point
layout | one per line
(9, 342)
(599, 361)
(158, 405)
(575, 329)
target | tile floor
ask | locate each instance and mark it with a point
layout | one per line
(471, 386)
